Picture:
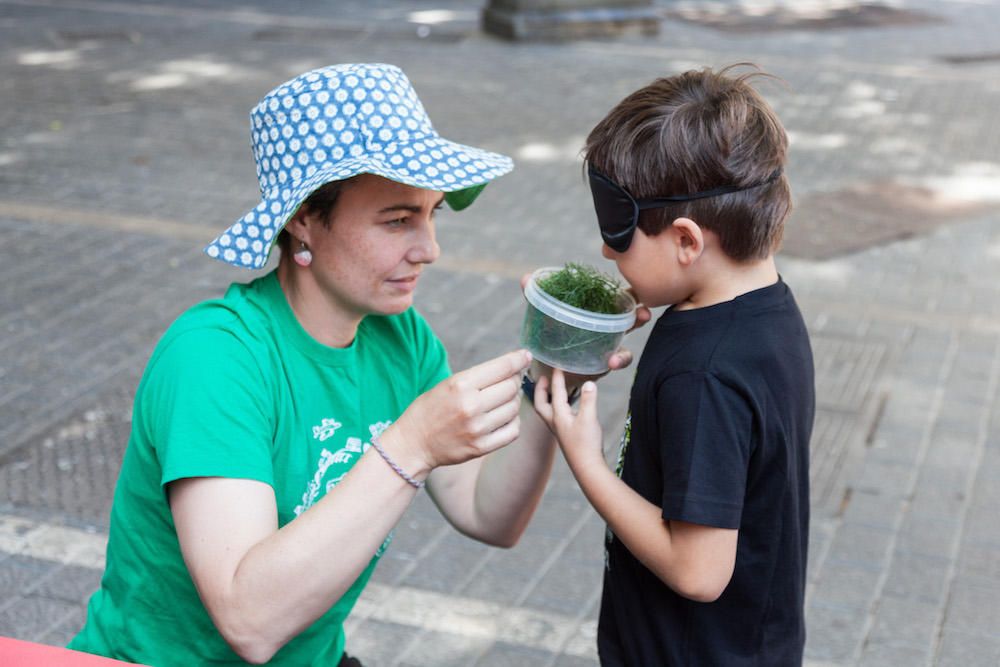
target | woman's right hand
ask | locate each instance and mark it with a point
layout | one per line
(465, 416)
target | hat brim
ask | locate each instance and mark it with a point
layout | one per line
(462, 172)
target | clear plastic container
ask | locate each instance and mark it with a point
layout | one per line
(570, 338)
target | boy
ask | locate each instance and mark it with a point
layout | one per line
(708, 508)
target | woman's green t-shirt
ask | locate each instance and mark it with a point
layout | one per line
(236, 388)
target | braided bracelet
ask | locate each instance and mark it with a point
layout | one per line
(417, 484)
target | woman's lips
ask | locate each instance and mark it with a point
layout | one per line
(407, 283)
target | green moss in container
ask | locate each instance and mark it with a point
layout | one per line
(584, 287)
(576, 317)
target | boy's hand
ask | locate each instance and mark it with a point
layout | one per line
(579, 434)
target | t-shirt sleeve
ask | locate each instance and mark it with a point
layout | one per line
(432, 358)
(705, 432)
(205, 404)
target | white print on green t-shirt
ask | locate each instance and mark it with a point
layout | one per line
(342, 458)
(326, 429)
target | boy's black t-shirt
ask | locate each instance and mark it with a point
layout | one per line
(718, 432)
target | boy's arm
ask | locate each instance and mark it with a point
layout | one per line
(492, 498)
(695, 561)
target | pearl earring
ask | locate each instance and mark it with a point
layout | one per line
(302, 256)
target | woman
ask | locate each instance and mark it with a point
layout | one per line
(280, 433)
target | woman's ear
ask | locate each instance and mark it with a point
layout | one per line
(690, 240)
(300, 225)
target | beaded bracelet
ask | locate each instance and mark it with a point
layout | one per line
(417, 484)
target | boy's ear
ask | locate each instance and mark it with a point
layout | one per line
(689, 240)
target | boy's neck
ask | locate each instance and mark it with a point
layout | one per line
(725, 280)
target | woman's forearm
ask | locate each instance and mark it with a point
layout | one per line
(492, 499)
(286, 579)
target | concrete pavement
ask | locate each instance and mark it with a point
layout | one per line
(124, 149)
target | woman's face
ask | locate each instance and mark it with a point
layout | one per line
(369, 257)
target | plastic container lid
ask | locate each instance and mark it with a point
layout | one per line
(577, 317)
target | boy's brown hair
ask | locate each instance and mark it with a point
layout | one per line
(693, 132)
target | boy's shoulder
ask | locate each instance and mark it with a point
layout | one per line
(749, 334)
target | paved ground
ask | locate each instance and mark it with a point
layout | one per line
(124, 148)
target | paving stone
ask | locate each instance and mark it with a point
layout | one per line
(507, 655)
(920, 577)
(69, 584)
(927, 537)
(378, 642)
(573, 661)
(567, 587)
(972, 608)
(444, 649)
(30, 618)
(849, 586)
(511, 575)
(902, 621)
(941, 493)
(452, 561)
(962, 649)
(979, 557)
(834, 433)
(60, 636)
(958, 422)
(861, 544)
(18, 574)
(821, 532)
(835, 633)
(951, 451)
(915, 320)
(898, 445)
(877, 654)
(885, 483)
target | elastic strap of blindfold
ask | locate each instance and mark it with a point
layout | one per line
(657, 202)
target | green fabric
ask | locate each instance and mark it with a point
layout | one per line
(236, 388)
(460, 199)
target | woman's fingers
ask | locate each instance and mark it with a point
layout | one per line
(501, 437)
(499, 393)
(495, 370)
(498, 417)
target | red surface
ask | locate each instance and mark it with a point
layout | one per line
(19, 653)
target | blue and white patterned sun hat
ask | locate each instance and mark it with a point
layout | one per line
(337, 122)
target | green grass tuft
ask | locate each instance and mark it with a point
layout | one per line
(584, 287)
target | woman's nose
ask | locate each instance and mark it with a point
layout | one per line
(426, 249)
